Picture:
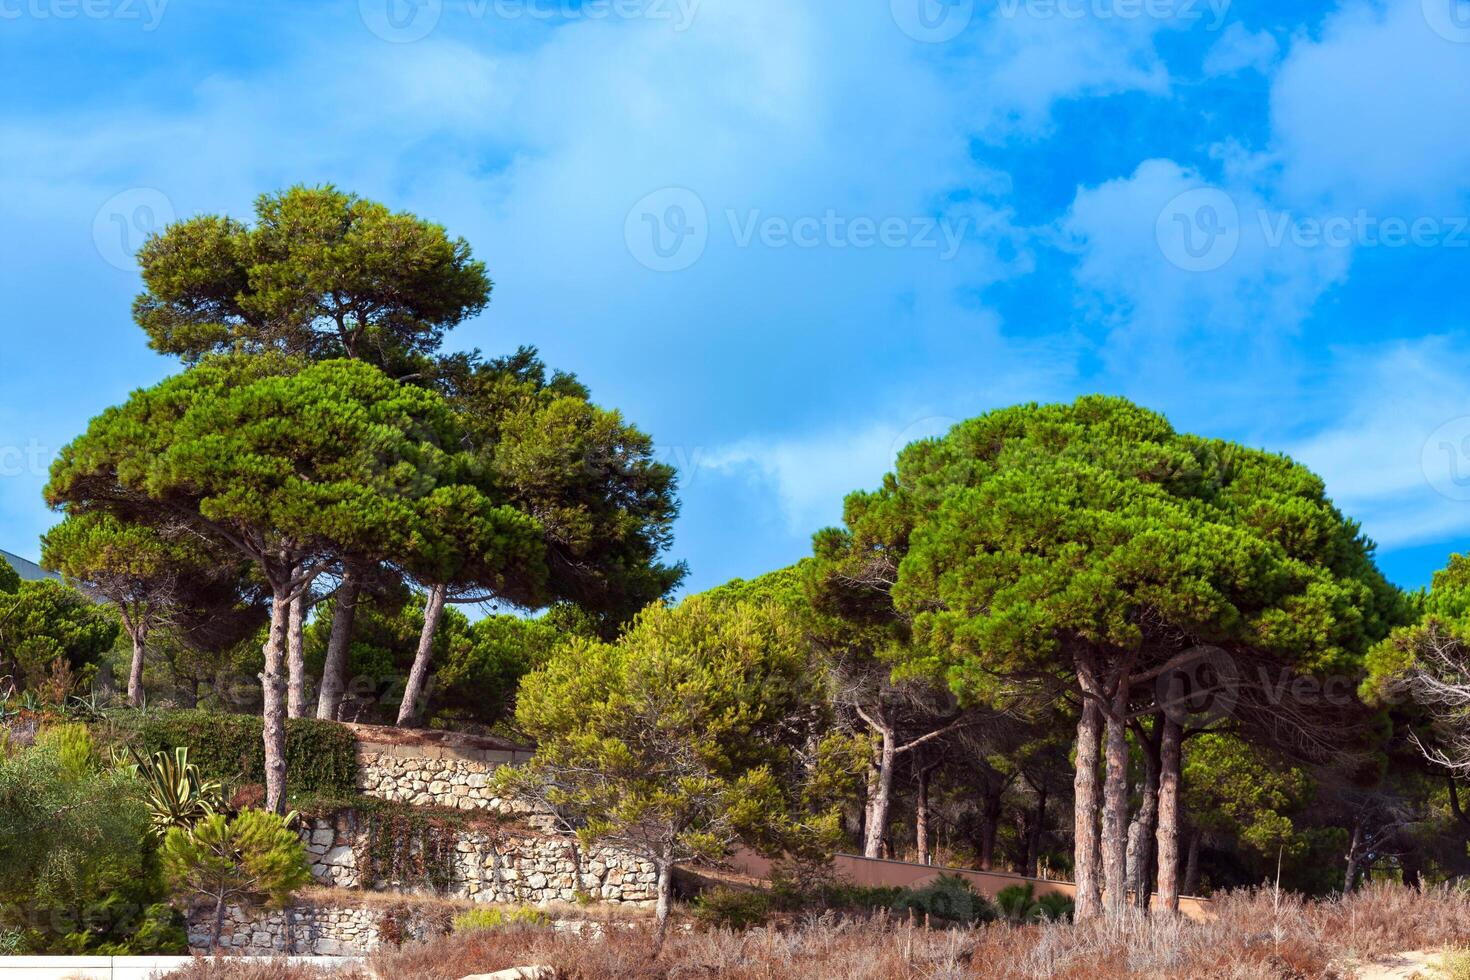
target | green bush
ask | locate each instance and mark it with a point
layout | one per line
(1054, 907)
(733, 908)
(498, 918)
(948, 898)
(321, 756)
(1017, 904)
(78, 870)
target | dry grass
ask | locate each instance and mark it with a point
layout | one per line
(1252, 935)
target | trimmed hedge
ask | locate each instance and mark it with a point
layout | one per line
(321, 756)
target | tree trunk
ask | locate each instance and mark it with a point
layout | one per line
(273, 687)
(1141, 831)
(880, 799)
(1085, 792)
(921, 815)
(990, 811)
(1168, 815)
(409, 710)
(1354, 857)
(139, 637)
(665, 900)
(1191, 866)
(219, 923)
(1115, 806)
(334, 670)
(296, 659)
(1034, 832)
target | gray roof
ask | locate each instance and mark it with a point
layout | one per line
(29, 571)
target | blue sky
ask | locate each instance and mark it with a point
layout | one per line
(788, 236)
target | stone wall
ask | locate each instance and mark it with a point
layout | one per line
(484, 861)
(436, 769)
(315, 930)
(488, 864)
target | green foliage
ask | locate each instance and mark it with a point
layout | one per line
(605, 505)
(862, 898)
(733, 908)
(176, 794)
(1052, 907)
(477, 678)
(9, 578)
(322, 274)
(251, 858)
(1440, 639)
(128, 564)
(681, 737)
(478, 666)
(1245, 793)
(948, 898)
(78, 873)
(497, 917)
(1016, 903)
(321, 756)
(1068, 521)
(74, 748)
(52, 636)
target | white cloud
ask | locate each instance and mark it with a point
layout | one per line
(1180, 274)
(1239, 49)
(1393, 453)
(1373, 113)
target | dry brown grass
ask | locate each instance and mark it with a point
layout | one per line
(224, 968)
(1252, 935)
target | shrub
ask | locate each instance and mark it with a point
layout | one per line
(1454, 965)
(806, 893)
(78, 872)
(1014, 902)
(497, 917)
(73, 747)
(175, 793)
(254, 857)
(948, 898)
(1053, 907)
(733, 908)
(321, 756)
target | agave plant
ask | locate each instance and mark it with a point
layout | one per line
(175, 792)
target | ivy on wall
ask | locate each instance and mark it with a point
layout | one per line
(321, 756)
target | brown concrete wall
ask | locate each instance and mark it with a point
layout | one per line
(877, 872)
